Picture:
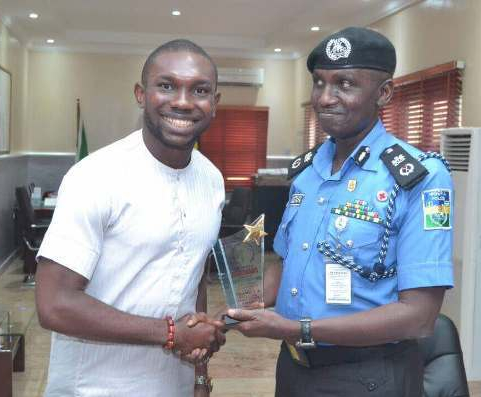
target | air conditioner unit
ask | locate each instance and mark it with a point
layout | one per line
(462, 148)
(241, 77)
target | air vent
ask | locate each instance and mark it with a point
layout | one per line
(455, 147)
(241, 77)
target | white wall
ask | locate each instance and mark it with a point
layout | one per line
(14, 58)
(105, 82)
(13, 169)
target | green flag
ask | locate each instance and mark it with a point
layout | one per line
(82, 148)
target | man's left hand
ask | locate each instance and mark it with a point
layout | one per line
(264, 323)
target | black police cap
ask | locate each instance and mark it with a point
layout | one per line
(354, 48)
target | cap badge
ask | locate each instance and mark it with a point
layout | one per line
(338, 48)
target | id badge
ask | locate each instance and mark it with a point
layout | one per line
(338, 285)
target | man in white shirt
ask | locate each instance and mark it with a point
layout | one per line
(120, 267)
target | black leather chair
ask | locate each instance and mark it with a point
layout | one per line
(444, 373)
(32, 231)
(237, 212)
(31, 186)
(235, 215)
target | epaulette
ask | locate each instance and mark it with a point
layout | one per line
(406, 170)
(300, 163)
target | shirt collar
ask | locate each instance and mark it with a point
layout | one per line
(375, 140)
(322, 162)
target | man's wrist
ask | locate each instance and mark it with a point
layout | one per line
(201, 369)
(204, 382)
(291, 330)
(160, 331)
(170, 333)
(164, 333)
(306, 341)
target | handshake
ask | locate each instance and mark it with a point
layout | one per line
(197, 337)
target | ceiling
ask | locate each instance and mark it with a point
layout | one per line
(225, 28)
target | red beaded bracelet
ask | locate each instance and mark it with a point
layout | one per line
(170, 335)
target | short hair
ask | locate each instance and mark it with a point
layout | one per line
(176, 46)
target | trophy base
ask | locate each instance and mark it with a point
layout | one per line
(230, 322)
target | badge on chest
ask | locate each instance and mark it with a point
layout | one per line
(338, 285)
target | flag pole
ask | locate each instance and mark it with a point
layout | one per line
(78, 122)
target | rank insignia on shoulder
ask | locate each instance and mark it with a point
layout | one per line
(300, 163)
(406, 170)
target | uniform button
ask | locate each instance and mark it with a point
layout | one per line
(305, 246)
(371, 386)
(338, 246)
(321, 200)
(283, 226)
(294, 291)
(349, 243)
(379, 269)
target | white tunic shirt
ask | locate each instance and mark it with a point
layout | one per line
(140, 232)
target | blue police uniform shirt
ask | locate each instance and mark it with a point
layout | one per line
(420, 251)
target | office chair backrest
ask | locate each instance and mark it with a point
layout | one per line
(238, 209)
(444, 373)
(26, 212)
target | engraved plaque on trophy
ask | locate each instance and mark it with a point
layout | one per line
(240, 266)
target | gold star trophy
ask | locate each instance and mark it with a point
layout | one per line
(240, 266)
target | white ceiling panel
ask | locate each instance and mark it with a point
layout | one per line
(238, 28)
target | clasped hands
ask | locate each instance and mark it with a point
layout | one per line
(199, 336)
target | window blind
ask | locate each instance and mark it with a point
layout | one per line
(236, 142)
(423, 104)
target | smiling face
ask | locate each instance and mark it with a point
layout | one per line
(347, 101)
(179, 98)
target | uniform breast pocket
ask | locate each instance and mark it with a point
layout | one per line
(287, 225)
(355, 238)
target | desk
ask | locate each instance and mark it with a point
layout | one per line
(12, 354)
(45, 208)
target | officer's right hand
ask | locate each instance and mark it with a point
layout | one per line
(198, 331)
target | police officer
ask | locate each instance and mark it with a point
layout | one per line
(365, 240)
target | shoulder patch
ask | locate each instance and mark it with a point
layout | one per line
(406, 170)
(437, 209)
(300, 163)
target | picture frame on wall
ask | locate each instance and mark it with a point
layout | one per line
(5, 109)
